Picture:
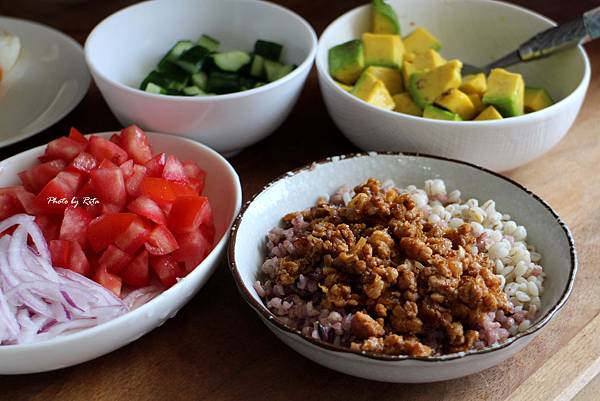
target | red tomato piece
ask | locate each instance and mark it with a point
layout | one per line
(64, 148)
(75, 135)
(68, 254)
(181, 189)
(58, 193)
(102, 149)
(127, 168)
(50, 226)
(115, 138)
(158, 189)
(146, 207)
(196, 176)
(161, 241)
(155, 166)
(167, 270)
(108, 280)
(15, 200)
(9, 205)
(83, 163)
(114, 259)
(107, 164)
(208, 230)
(133, 140)
(75, 224)
(38, 176)
(173, 170)
(110, 186)
(166, 208)
(103, 230)
(136, 273)
(193, 248)
(133, 182)
(188, 213)
(134, 236)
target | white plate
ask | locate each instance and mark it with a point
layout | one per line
(49, 79)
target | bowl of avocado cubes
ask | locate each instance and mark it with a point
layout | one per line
(223, 72)
(391, 76)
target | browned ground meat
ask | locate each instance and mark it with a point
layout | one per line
(411, 286)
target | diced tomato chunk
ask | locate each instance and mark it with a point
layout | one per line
(158, 189)
(188, 213)
(9, 206)
(64, 148)
(115, 138)
(75, 135)
(133, 140)
(114, 259)
(193, 249)
(133, 182)
(155, 166)
(75, 224)
(134, 236)
(83, 163)
(195, 175)
(103, 230)
(161, 241)
(102, 149)
(181, 189)
(127, 168)
(58, 193)
(173, 170)
(50, 226)
(105, 163)
(110, 186)
(136, 273)
(38, 176)
(108, 280)
(146, 207)
(68, 254)
(166, 268)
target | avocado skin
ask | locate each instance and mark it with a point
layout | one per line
(347, 61)
(439, 114)
(385, 19)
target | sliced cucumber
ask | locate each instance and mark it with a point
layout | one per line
(180, 47)
(268, 50)
(192, 60)
(277, 70)
(172, 72)
(193, 91)
(153, 88)
(231, 61)
(259, 84)
(163, 81)
(209, 43)
(223, 82)
(257, 68)
(199, 79)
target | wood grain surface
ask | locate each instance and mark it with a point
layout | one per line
(217, 349)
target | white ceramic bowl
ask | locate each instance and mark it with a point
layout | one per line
(300, 189)
(225, 193)
(477, 32)
(126, 46)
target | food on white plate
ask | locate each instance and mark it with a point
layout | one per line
(10, 48)
(409, 76)
(402, 271)
(199, 68)
(114, 211)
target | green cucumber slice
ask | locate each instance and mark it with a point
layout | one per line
(269, 50)
(192, 60)
(209, 43)
(231, 61)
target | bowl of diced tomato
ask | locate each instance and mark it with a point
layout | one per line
(129, 211)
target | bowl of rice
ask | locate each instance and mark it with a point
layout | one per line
(401, 267)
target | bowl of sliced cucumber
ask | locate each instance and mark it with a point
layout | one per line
(223, 72)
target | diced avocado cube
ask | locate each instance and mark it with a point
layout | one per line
(384, 18)
(439, 114)
(420, 40)
(373, 91)
(420, 62)
(457, 102)
(208, 42)
(347, 88)
(405, 104)
(391, 78)
(536, 99)
(426, 87)
(346, 61)
(474, 83)
(506, 92)
(477, 102)
(268, 50)
(193, 59)
(490, 113)
(384, 50)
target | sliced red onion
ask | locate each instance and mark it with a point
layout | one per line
(140, 296)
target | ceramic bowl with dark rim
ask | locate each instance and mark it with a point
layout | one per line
(300, 189)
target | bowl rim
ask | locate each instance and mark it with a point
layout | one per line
(268, 316)
(109, 326)
(306, 63)
(539, 115)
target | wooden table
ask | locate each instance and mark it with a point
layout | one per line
(216, 348)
